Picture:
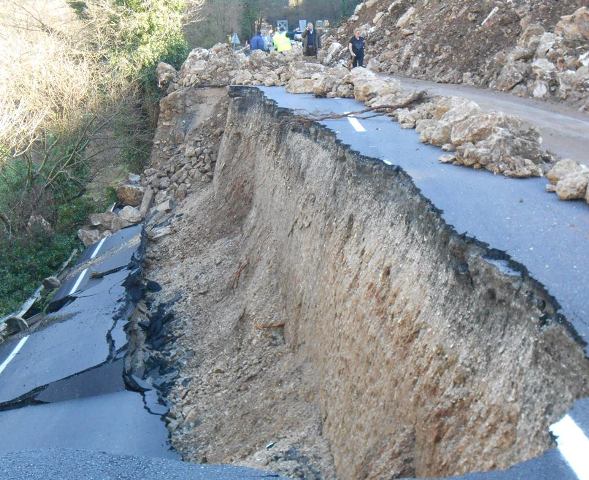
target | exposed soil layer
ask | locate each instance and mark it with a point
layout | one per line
(328, 323)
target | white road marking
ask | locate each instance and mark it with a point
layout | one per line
(573, 445)
(13, 354)
(356, 124)
(78, 281)
(83, 274)
(97, 248)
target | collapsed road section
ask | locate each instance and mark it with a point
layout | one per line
(70, 404)
(345, 306)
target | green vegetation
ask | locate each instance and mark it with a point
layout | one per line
(77, 96)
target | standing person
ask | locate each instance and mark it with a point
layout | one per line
(356, 47)
(257, 42)
(311, 42)
(268, 43)
(281, 41)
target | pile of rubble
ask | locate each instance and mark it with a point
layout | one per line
(494, 141)
(545, 64)
(530, 47)
(170, 181)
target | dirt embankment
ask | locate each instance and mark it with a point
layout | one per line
(327, 323)
(529, 47)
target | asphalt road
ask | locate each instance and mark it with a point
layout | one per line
(563, 129)
(65, 412)
(83, 465)
(547, 237)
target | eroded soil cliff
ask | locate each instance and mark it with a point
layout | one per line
(328, 323)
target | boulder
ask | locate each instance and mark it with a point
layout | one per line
(573, 186)
(511, 75)
(130, 194)
(480, 126)
(332, 51)
(242, 77)
(574, 27)
(436, 133)
(165, 74)
(378, 18)
(107, 221)
(366, 89)
(562, 169)
(458, 110)
(329, 82)
(506, 153)
(134, 179)
(300, 85)
(406, 18)
(130, 214)
(51, 283)
(89, 236)
(16, 324)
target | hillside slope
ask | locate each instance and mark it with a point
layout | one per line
(530, 47)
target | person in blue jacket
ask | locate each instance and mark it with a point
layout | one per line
(257, 42)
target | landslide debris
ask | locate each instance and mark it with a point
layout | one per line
(529, 47)
(500, 143)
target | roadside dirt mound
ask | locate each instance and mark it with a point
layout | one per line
(531, 47)
(327, 323)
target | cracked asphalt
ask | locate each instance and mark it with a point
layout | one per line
(65, 412)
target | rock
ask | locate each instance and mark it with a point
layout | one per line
(243, 77)
(161, 232)
(540, 89)
(51, 283)
(165, 206)
(300, 85)
(16, 324)
(108, 221)
(406, 18)
(562, 169)
(146, 201)
(574, 27)
(37, 223)
(573, 186)
(130, 194)
(89, 236)
(329, 81)
(511, 75)
(450, 111)
(436, 133)
(506, 153)
(332, 51)
(134, 179)
(366, 89)
(545, 44)
(542, 68)
(378, 18)
(130, 214)
(480, 126)
(165, 74)
(447, 158)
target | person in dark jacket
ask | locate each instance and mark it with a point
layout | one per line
(356, 47)
(311, 42)
(257, 42)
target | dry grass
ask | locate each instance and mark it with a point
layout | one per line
(47, 78)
